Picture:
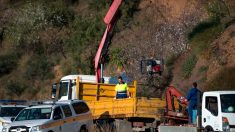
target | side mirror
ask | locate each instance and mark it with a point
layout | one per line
(12, 119)
(53, 90)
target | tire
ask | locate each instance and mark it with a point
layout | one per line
(208, 129)
(83, 129)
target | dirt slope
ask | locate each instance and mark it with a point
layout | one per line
(159, 29)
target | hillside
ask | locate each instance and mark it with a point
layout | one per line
(40, 41)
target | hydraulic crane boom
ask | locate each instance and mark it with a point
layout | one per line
(110, 20)
(172, 93)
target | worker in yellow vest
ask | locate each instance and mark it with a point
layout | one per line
(121, 89)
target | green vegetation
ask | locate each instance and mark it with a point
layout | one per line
(116, 57)
(188, 65)
(43, 34)
(171, 59)
(205, 32)
(203, 69)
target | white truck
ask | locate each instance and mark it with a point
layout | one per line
(68, 88)
(217, 113)
(61, 116)
(8, 111)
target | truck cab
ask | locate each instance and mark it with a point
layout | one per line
(218, 111)
(70, 115)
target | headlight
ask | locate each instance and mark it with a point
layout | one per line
(35, 128)
(4, 129)
(4, 124)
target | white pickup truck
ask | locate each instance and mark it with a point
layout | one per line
(7, 112)
(62, 116)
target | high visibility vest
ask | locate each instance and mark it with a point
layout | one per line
(121, 87)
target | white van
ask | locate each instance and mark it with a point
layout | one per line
(63, 116)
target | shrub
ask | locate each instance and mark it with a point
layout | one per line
(8, 63)
(16, 88)
(170, 60)
(202, 27)
(117, 57)
(188, 65)
(58, 14)
(38, 68)
(217, 9)
(203, 69)
(202, 36)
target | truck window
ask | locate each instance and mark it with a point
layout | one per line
(227, 103)
(212, 105)
(34, 114)
(63, 89)
(67, 110)
(10, 111)
(57, 114)
(80, 107)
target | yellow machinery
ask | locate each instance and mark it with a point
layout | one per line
(100, 98)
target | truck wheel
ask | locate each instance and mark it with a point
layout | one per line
(208, 129)
(83, 129)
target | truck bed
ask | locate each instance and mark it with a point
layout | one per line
(126, 108)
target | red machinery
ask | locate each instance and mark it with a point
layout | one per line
(110, 20)
(171, 112)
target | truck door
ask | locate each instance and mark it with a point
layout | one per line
(65, 91)
(210, 118)
(83, 114)
(57, 117)
(69, 123)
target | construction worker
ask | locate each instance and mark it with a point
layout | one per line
(192, 97)
(121, 89)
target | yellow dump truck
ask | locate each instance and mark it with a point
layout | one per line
(141, 113)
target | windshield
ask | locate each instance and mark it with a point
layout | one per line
(10, 111)
(227, 103)
(63, 89)
(34, 113)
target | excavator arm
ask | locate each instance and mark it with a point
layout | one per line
(172, 93)
(110, 20)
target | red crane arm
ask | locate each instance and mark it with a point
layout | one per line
(112, 11)
(110, 20)
(173, 92)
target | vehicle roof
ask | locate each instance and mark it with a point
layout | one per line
(13, 106)
(42, 106)
(220, 92)
(61, 102)
(69, 101)
(86, 78)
